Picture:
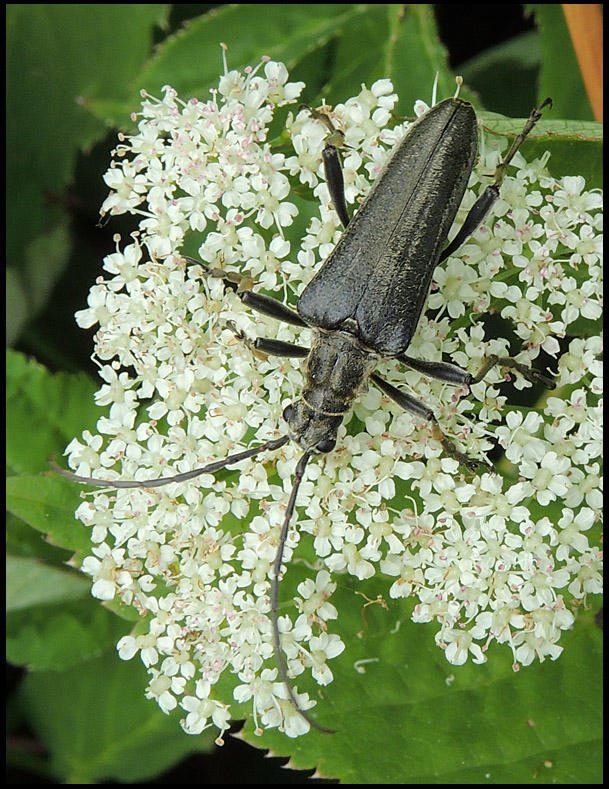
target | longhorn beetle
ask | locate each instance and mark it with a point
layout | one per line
(365, 301)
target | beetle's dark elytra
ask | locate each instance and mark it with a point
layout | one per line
(379, 273)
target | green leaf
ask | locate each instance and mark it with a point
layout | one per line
(505, 76)
(191, 60)
(58, 637)
(415, 54)
(560, 76)
(576, 147)
(30, 582)
(97, 726)
(399, 42)
(582, 131)
(22, 540)
(52, 621)
(58, 58)
(47, 503)
(403, 714)
(357, 56)
(31, 285)
(45, 412)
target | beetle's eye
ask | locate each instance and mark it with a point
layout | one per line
(287, 412)
(327, 445)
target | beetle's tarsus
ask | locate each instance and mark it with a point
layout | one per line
(529, 373)
(471, 464)
(232, 279)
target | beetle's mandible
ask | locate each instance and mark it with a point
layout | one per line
(365, 302)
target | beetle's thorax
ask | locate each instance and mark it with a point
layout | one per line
(337, 371)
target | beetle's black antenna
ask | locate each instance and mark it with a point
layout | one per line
(281, 664)
(157, 483)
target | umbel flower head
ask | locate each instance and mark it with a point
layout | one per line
(481, 552)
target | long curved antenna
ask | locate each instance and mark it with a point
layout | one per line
(281, 664)
(210, 468)
(156, 483)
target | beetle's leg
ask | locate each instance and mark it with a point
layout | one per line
(534, 117)
(443, 371)
(257, 301)
(332, 167)
(280, 348)
(262, 346)
(272, 307)
(530, 373)
(336, 184)
(416, 407)
(452, 374)
(483, 204)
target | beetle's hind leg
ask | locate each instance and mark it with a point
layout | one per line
(417, 408)
(484, 203)
(451, 374)
(530, 373)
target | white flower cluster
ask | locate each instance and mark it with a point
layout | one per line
(505, 557)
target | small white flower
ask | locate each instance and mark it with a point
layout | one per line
(549, 478)
(458, 646)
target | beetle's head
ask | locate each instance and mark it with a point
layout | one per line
(310, 429)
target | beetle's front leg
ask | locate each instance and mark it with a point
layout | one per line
(242, 286)
(416, 407)
(262, 346)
